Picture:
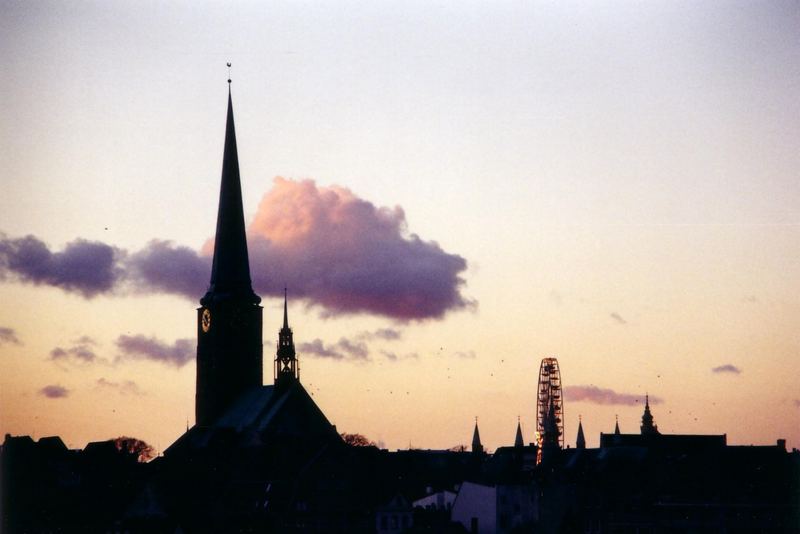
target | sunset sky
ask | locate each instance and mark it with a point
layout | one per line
(451, 191)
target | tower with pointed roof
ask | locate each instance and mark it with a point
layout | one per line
(647, 419)
(518, 441)
(616, 425)
(229, 319)
(477, 447)
(580, 441)
(286, 370)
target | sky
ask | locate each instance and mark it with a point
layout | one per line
(451, 191)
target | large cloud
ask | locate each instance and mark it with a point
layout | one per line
(596, 395)
(330, 247)
(348, 255)
(85, 267)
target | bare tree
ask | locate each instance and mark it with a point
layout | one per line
(143, 450)
(357, 440)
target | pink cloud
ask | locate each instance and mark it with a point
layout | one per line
(349, 256)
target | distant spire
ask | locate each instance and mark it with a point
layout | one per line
(477, 447)
(230, 270)
(647, 418)
(286, 368)
(616, 426)
(580, 441)
(518, 441)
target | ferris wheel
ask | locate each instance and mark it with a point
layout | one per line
(549, 405)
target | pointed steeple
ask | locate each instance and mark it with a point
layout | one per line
(580, 441)
(477, 447)
(518, 441)
(647, 418)
(230, 270)
(286, 357)
(616, 426)
(229, 320)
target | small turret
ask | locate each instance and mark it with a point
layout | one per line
(647, 419)
(286, 370)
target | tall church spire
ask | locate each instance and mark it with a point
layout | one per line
(518, 441)
(230, 270)
(616, 425)
(286, 358)
(229, 347)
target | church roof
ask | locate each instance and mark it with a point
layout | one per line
(230, 271)
(262, 411)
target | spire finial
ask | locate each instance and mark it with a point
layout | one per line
(285, 310)
(229, 73)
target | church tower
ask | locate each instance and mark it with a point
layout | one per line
(647, 419)
(286, 370)
(229, 350)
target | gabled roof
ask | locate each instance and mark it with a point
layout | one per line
(259, 412)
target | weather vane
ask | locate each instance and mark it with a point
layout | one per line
(229, 72)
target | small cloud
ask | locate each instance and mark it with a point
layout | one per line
(54, 392)
(393, 356)
(596, 395)
(126, 387)
(618, 318)
(466, 354)
(343, 349)
(727, 368)
(8, 336)
(318, 349)
(78, 354)
(386, 334)
(356, 350)
(140, 347)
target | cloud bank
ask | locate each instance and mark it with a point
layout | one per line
(596, 395)
(727, 368)
(331, 248)
(140, 347)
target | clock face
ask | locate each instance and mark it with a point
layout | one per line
(205, 321)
